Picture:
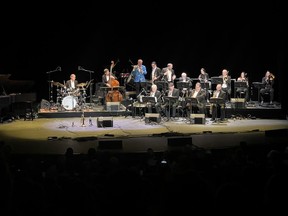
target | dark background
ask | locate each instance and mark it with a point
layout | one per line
(239, 36)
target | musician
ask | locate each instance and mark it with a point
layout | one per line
(184, 79)
(172, 92)
(72, 83)
(215, 108)
(168, 73)
(243, 78)
(268, 81)
(200, 95)
(106, 77)
(154, 92)
(203, 76)
(226, 84)
(155, 73)
(139, 71)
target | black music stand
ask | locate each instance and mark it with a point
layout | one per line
(181, 85)
(205, 85)
(171, 100)
(149, 99)
(219, 102)
(191, 101)
(258, 85)
(239, 84)
(216, 80)
(161, 84)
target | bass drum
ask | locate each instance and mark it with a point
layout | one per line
(69, 102)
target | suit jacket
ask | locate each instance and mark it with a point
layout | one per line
(228, 82)
(157, 73)
(68, 84)
(139, 76)
(165, 77)
(201, 96)
(222, 95)
(157, 95)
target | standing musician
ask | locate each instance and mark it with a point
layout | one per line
(155, 73)
(157, 105)
(268, 81)
(139, 71)
(243, 78)
(168, 73)
(106, 77)
(226, 85)
(200, 95)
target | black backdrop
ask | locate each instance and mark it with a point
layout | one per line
(239, 37)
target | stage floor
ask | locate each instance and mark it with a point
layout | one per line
(55, 135)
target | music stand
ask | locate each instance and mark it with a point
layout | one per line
(181, 85)
(161, 84)
(216, 80)
(205, 85)
(239, 84)
(150, 99)
(171, 99)
(191, 101)
(258, 85)
(217, 101)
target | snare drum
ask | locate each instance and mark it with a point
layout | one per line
(69, 102)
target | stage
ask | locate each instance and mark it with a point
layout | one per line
(128, 134)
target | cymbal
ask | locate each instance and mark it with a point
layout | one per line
(81, 84)
(58, 84)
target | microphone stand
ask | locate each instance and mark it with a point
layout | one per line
(90, 89)
(51, 84)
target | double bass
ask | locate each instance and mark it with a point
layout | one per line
(113, 95)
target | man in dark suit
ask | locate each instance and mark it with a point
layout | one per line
(218, 93)
(200, 95)
(72, 83)
(173, 93)
(155, 73)
(157, 104)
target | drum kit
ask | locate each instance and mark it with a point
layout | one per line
(71, 98)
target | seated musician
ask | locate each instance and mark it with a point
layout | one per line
(226, 85)
(172, 92)
(185, 79)
(72, 83)
(215, 108)
(200, 95)
(268, 81)
(157, 105)
(243, 78)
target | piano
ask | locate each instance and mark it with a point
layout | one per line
(15, 91)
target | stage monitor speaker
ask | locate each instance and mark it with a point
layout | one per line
(152, 117)
(112, 106)
(105, 122)
(237, 103)
(110, 145)
(197, 118)
(179, 141)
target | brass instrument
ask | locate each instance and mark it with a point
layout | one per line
(271, 76)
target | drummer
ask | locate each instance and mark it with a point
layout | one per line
(72, 83)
